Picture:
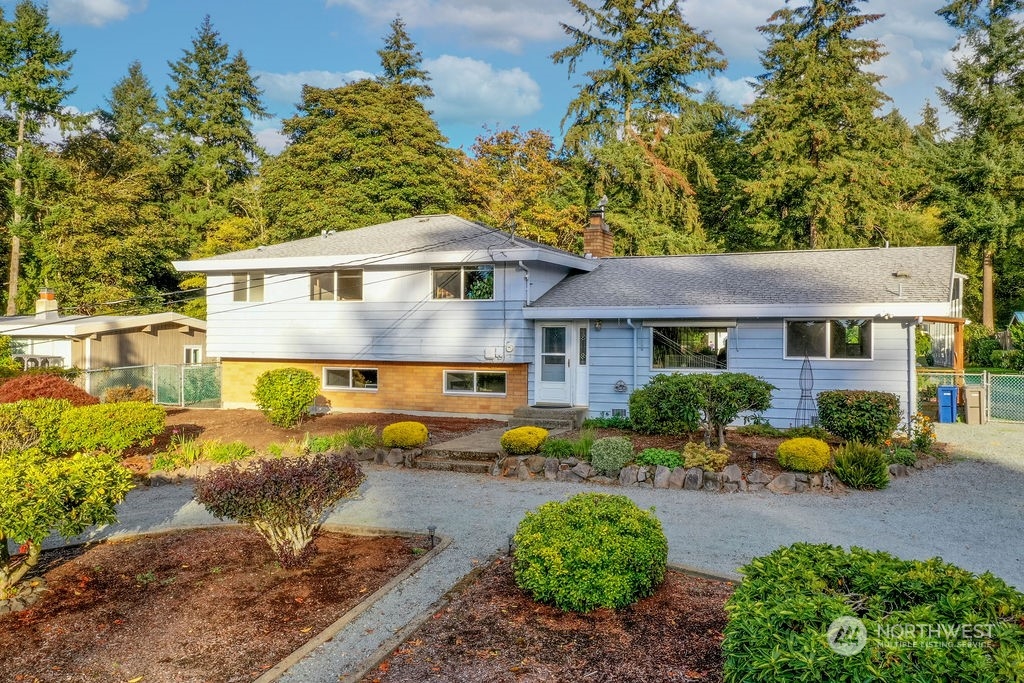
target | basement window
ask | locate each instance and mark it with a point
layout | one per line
(475, 382)
(343, 379)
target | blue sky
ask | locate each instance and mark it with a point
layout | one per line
(489, 58)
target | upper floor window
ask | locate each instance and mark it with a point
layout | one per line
(336, 285)
(465, 282)
(677, 348)
(247, 286)
(835, 339)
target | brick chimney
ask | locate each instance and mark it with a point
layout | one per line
(46, 305)
(597, 238)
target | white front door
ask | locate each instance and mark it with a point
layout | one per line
(561, 364)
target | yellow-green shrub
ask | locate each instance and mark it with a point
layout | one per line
(804, 454)
(523, 440)
(404, 435)
(696, 454)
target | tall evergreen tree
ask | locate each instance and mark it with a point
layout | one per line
(34, 69)
(625, 119)
(134, 113)
(402, 63)
(985, 164)
(824, 163)
(360, 154)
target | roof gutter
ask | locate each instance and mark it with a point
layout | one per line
(526, 279)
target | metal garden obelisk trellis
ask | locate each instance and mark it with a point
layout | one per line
(806, 409)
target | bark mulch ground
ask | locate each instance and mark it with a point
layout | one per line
(202, 605)
(493, 631)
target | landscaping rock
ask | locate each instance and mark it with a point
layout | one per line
(828, 482)
(816, 481)
(628, 475)
(677, 478)
(661, 477)
(395, 457)
(732, 474)
(601, 479)
(379, 456)
(784, 483)
(712, 481)
(535, 463)
(694, 479)
(758, 477)
(410, 457)
(551, 468)
(523, 472)
(583, 470)
(731, 486)
(899, 471)
(641, 474)
(924, 462)
(567, 475)
(571, 461)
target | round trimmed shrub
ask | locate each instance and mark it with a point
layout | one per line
(780, 613)
(286, 395)
(902, 456)
(611, 453)
(866, 416)
(804, 454)
(523, 440)
(861, 467)
(668, 404)
(404, 435)
(594, 550)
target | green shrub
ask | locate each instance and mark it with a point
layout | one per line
(218, 452)
(611, 453)
(780, 614)
(804, 454)
(319, 444)
(583, 443)
(901, 456)
(362, 436)
(979, 348)
(614, 422)
(703, 456)
(32, 424)
(809, 431)
(284, 499)
(523, 440)
(866, 416)
(405, 435)
(40, 496)
(861, 466)
(660, 456)
(111, 427)
(286, 395)
(594, 550)
(184, 451)
(557, 448)
(1008, 360)
(759, 429)
(128, 393)
(668, 404)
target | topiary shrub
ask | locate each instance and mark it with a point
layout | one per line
(32, 424)
(611, 453)
(782, 614)
(405, 435)
(660, 456)
(866, 416)
(702, 456)
(284, 499)
(523, 440)
(594, 550)
(861, 467)
(127, 393)
(804, 454)
(668, 404)
(43, 385)
(111, 427)
(286, 395)
(40, 496)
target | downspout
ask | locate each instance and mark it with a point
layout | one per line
(911, 373)
(629, 321)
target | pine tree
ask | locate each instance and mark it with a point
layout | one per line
(34, 69)
(402, 63)
(985, 164)
(824, 163)
(625, 119)
(134, 114)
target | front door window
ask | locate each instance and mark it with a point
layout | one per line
(553, 354)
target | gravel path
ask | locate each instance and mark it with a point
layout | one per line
(969, 513)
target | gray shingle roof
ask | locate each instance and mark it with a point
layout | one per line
(841, 276)
(436, 233)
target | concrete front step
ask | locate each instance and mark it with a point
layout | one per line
(454, 465)
(549, 424)
(539, 416)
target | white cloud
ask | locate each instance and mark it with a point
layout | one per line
(92, 12)
(272, 139)
(288, 87)
(497, 23)
(738, 92)
(470, 91)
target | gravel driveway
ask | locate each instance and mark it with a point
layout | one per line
(970, 513)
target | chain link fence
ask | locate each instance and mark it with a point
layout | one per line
(1005, 393)
(1006, 397)
(195, 385)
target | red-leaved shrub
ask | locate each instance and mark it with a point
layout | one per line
(33, 385)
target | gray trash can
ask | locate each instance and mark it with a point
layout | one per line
(974, 406)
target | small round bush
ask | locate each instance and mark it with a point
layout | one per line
(866, 416)
(902, 456)
(698, 454)
(594, 550)
(804, 454)
(405, 435)
(523, 440)
(44, 385)
(861, 467)
(611, 453)
(286, 395)
(660, 456)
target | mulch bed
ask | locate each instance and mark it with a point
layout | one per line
(199, 605)
(492, 631)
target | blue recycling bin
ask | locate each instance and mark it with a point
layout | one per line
(947, 403)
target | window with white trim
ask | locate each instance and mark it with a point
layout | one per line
(193, 355)
(360, 379)
(336, 285)
(838, 339)
(464, 282)
(247, 287)
(475, 382)
(689, 348)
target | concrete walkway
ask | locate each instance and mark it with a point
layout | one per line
(969, 513)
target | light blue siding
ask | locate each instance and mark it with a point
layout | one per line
(755, 347)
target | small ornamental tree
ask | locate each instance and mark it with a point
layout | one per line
(723, 397)
(40, 496)
(283, 499)
(286, 395)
